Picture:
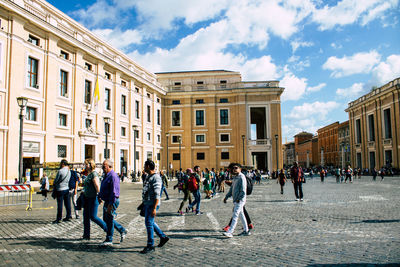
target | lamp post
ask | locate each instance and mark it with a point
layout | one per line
(107, 122)
(277, 153)
(134, 127)
(244, 159)
(22, 101)
(167, 135)
(180, 157)
(308, 159)
(322, 156)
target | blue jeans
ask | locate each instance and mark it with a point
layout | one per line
(151, 225)
(163, 189)
(63, 196)
(90, 206)
(197, 199)
(110, 222)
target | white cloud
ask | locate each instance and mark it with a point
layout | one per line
(294, 87)
(336, 46)
(388, 70)
(118, 38)
(351, 11)
(358, 63)
(316, 88)
(353, 91)
(309, 110)
(297, 44)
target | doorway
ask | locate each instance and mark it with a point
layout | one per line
(259, 160)
(89, 152)
(124, 162)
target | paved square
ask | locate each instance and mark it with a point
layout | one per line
(341, 224)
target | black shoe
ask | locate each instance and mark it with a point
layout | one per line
(67, 219)
(56, 222)
(147, 250)
(163, 241)
(85, 238)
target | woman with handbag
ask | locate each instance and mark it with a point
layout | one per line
(45, 186)
(91, 187)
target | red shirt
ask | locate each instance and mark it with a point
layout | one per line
(296, 174)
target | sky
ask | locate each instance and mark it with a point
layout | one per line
(325, 53)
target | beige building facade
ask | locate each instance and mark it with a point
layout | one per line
(213, 118)
(374, 124)
(56, 64)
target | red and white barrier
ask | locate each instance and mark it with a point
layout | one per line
(22, 187)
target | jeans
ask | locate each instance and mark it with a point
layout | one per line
(245, 215)
(110, 222)
(197, 199)
(185, 198)
(151, 225)
(90, 206)
(73, 198)
(165, 190)
(63, 196)
(238, 212)
(298, 189)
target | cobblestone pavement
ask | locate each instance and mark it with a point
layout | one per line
(337, 224)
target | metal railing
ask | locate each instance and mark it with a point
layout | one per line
(16, 194)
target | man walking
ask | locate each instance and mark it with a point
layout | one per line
(297, 176)
(109, 193)
(151, 196)
(238, 192)
(164, 187)
(196, 193)
(73, 190)
(60, 185)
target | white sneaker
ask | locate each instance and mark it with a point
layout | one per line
(245, 233)
(297, 199)
(229, 235)
(106, 244)
(301, 199)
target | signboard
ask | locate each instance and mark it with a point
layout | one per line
(28, 175)
(31, 147)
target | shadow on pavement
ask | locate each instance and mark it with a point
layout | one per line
(39, 221)
(356, 264)
(378, 221)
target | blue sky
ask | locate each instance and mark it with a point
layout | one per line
(325, 53)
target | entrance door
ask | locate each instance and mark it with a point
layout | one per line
(89, 152)
(260, 160)
(123, 163)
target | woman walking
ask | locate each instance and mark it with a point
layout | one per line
(207, 183)
(45, 186)
(281, 179)
(187, 196)
(91, 187)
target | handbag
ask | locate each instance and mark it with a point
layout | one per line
(141, 208)
(54, 194)
(80, 201)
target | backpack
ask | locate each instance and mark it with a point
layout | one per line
(192, 184)
(249, 187)
(72, 180)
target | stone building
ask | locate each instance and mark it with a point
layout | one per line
(213, 118)
(304, 147)
(374, 122)
(344, 144)
(56, 64)
(328, 145)
(288, 154)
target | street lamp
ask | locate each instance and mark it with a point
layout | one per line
(22, 101)
(134, 127)
(107, 123)
(277, 153)
(322, 156)
(244, 159)
(167, 135)
(180, 157)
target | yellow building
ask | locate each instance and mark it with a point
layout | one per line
(56, 64)
(374, 121)
(214, 118)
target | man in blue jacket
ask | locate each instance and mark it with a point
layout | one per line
(109, 193)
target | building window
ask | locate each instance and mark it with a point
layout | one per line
(176, 156)
(64, 83)
(223, 100)
(358, 131)
(148, 95)
(123, 83)
(359, 161)
(158, 138)
(200, 85)
(148, 137)
(123, 131)
(224, 155)
(62, 151)
(123, 104)
(107, 99)
(88, 123)
(158, 117)
(88, 66)
(176, 118)
(224, 138)
(34, 40)
(158, 156)
(176, 102)
(199, 117)
(148, 113)
(222, 84)
(177, 83)
(158, 100)
(137, 109)
(137, 89)
(150, 155)
(388, 123)
(224, 117)
(107, 76)
(371, 160)
(62, 119)
(137, 155)
(200, 138)
(388, 156)
(33, 67)
(175, 139)
(31, 114)
(201, 156)
(371, 127)
(199, 101)
(64, 55)
(88, 92)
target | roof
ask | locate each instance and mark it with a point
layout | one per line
(191, 71)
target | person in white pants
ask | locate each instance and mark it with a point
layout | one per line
(238, 193)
